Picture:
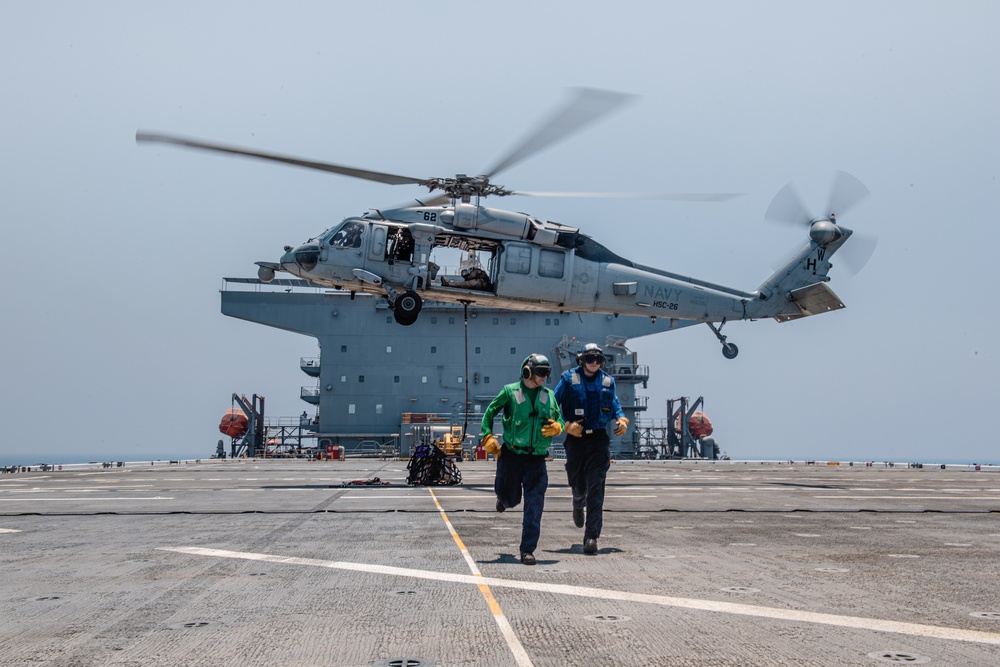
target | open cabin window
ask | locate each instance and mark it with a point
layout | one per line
(399, 245)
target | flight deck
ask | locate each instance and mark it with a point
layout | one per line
(298, 562)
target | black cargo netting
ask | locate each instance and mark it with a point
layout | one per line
(430, 467)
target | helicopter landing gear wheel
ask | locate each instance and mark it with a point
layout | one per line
(729, 350)
(404, 319)
(408, 306)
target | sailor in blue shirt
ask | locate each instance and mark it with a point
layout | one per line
(589, 403)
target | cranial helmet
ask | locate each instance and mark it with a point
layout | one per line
(591, 350)
(533, 364)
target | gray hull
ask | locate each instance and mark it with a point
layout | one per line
(372, 373)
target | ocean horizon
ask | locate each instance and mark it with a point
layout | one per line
(35, 461)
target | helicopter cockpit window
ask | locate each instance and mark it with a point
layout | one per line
(517, 259)
(349, 235)
(551, 263)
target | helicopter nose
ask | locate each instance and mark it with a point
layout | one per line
(287, 261)
(301, 260)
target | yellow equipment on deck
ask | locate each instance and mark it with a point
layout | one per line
(451, 443)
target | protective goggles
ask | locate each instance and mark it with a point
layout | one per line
(541, 371)
(593, 358)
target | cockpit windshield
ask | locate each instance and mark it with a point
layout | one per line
(348, 235)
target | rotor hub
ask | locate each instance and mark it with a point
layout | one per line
(824, 231)
(465, 187)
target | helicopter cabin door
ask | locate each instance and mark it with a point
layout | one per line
(531, 272)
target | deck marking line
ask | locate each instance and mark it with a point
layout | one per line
(76, 500)
(520, 655)
(857, 622)
(849, 497)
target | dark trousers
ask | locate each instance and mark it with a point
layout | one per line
(527, 473)
(588, 459)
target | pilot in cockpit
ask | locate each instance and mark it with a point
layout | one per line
(348, 236)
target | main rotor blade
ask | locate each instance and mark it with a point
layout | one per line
(845, 192)
(584, 107)
(788, 207)
(670, 196)
(390, 179)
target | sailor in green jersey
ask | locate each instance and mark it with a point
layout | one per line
(531, 418)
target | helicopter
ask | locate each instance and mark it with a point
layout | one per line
(516, 261)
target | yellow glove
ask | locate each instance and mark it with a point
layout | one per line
(621, 425)
(552, 428)
(574, 429)
(491, 445)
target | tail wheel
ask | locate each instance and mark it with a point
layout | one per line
(729, 351)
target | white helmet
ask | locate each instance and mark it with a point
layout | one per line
(592, 351)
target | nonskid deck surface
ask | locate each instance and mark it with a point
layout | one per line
(276, 563)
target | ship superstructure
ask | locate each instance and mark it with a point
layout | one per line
(376, 383)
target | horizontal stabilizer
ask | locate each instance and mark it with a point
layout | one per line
(812, 300)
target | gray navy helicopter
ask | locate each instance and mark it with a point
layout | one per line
(519, 262)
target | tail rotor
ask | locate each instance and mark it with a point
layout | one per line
(789, 208)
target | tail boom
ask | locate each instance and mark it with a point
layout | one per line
(798, 289)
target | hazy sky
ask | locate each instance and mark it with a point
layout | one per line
(113, 342)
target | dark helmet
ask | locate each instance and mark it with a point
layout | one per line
(591, 351)
(536, 364)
